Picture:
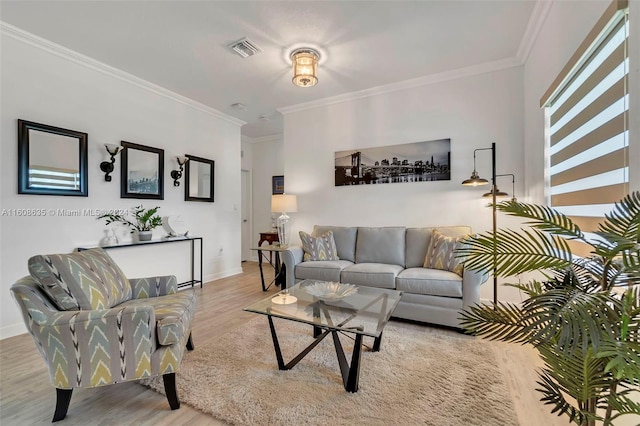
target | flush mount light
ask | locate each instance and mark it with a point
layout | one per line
(305, 65)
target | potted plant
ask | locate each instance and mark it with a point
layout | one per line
(144, 221)
(583, 317)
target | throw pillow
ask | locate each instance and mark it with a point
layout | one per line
(319, 248)
(441, 253)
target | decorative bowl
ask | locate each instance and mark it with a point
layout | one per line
(331, 290)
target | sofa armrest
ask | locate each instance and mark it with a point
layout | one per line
(143, 288)
(471, 282)
(290, 258)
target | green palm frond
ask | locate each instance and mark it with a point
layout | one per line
(582, 375)
(543, 218)
(583, 322)
(501, 322)
(570, 317)
(515, 252)
(622, 225)
(622, 405)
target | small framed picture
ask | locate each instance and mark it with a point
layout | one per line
(277, 185)
(142, 172)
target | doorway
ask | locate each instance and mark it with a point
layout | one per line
(246, 225)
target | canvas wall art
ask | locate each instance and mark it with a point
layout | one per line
(409, 162)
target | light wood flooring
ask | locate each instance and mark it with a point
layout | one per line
(27, 397)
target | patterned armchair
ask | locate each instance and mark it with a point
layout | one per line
(95, 327)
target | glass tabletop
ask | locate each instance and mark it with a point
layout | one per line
(365, 312)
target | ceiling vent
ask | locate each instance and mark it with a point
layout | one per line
(245, 47)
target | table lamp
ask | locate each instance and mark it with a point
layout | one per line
(284, 203)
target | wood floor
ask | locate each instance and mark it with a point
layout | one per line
(27, 397)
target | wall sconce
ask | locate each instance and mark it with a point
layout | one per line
(176, 175)
(107, 166)
(305, 66)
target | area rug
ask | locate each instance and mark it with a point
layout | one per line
(428, 378)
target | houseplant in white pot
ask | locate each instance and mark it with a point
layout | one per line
(144, 220)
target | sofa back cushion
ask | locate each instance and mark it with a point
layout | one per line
(381, 245)
(344, 237)
(87, 279)
(418, 240)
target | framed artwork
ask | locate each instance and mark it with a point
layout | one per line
(51, 160)
(277, 185)
(141, 172)
(410, 162)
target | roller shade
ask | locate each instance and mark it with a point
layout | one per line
(587, 126)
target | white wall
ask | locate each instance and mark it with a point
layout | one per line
(62, 90)
(564, 28)
(268, 162)
(472, 111)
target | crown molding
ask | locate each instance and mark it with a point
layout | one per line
(80, 59)
(407, 84)
(270, 138)
(536, 20)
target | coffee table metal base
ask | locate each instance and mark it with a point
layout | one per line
(350, 371)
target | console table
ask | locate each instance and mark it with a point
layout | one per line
(191, 240)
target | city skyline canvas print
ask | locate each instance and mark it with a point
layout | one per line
(410, 162)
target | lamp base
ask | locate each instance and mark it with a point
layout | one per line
(283, 229)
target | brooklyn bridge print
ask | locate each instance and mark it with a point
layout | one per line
(409, 162)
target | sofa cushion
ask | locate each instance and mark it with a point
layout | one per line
(433, 282)
(371, 274)
(441, 253)
(323, 270)
(381, 245)
(344, 237)
(83, 280)
(418, 240)
(173, 314)
(322, 247)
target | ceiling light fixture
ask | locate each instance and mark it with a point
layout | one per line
(305, 65)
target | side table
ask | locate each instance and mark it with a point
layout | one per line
(280, 275)
(270, 237)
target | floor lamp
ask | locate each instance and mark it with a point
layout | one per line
(476, 180)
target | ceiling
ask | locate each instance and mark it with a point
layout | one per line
(182, 45)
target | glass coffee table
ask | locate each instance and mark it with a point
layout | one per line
(363, 314)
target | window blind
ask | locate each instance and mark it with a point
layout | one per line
(587, 129)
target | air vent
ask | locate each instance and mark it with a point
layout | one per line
(244, 47)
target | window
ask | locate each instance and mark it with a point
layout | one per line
(587, 115)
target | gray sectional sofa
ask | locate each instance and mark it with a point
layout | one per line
(392, 257)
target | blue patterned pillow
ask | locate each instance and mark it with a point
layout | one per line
(319, 248)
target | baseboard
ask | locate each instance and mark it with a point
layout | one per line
(224, 274)
(12, 330)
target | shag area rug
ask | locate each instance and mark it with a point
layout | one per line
(435, 378)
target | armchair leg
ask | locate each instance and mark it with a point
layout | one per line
(63, 398)
(190, 346)
(171, 391)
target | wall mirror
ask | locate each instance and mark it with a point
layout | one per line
(199, 179)
(51, 160)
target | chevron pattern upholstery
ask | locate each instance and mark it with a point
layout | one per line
(113, 329)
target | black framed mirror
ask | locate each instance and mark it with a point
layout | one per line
(51, 160)
(199, 179)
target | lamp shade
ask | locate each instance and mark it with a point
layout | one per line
(475, 180)
(284, 203)
(305, 64)
(499, 194)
